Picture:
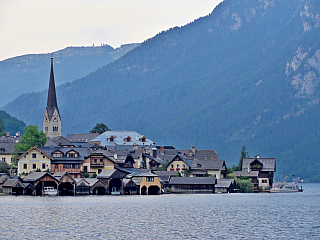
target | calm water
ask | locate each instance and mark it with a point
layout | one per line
(226, 216)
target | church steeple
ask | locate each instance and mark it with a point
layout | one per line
(52, 120)
(52, 98)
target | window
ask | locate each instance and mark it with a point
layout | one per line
(128, 139)
(43, 165)
(66, 165)
(184, 166)
(172, 166)
(72, 155)
(25, 166)
(101, 160)
(150, 179)
(143, 139)
(46, 129)
(57, 154)
(111, 139)
(264, 181)
(178, 166)
(34, 166)
(34, 155)
(85, 168)
(3, 159)
(55, 129)
(99, 170)
(95, 160)
(57, 166)
(75, 165)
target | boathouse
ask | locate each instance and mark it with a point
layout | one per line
(192, 184)
(41, 180)
(67, 185)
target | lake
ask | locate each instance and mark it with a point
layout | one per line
(172, 216)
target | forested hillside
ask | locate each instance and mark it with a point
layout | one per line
(30, 73)
(11, 124)
(247, 74)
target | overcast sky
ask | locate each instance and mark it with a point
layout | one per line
(41, 26)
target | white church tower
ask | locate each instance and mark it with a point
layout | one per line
(52, 120)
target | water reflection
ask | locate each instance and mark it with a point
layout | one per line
(235, 216)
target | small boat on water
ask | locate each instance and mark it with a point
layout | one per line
(285, 187)
(50, 191)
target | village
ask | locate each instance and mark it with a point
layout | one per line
(118, 163)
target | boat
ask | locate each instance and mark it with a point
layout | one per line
(285, 187)
(50, 191)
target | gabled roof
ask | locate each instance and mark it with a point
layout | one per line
(193, 180)
(208, 164)
(3, 178)
(224, 183)
(38, 149)
(209, 154)
(269, 164)
(34, 176)
(246, 173)
(106, 173)
(61, 141)
(83, 152)
(83, 137)
(120, 138)
(186, 161)
(13, 183)
(6, 147)
(59, 175)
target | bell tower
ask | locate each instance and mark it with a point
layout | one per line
(52, 120)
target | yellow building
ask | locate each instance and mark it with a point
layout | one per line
(147, 182)
(180, 164)
(32, 160)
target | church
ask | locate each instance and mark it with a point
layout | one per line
(52, 119)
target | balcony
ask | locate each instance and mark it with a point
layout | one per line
(100, 164)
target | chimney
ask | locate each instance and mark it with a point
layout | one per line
(162, 150)
(154, 152)
(193, 149)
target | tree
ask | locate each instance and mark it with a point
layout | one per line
(31, 137)
(243, 154)
(4, 167)
(100, 128)
(164, 166)
(2, 133)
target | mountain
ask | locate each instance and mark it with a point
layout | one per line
(245, 75)
(29, 73)
(11, 124)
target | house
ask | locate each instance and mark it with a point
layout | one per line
(164, 177)
(225, 185)
(199, 168)
(6, 152)
(81, 140)
(67, 159)
(180, 164)
(67, 185)
(97, 187)
(3, 179)
(148, 183)
(99, 160)
(266, 168)
(13, 186)
(113, 179)
(114, 138)
(151, 162)
(252, 175)
(40, 180)
(192, 184)
(32, 160)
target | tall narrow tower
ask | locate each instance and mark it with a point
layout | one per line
(52, 120)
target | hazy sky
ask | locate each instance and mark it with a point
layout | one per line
(41, 26)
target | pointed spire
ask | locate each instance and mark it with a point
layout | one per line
(52, 98)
